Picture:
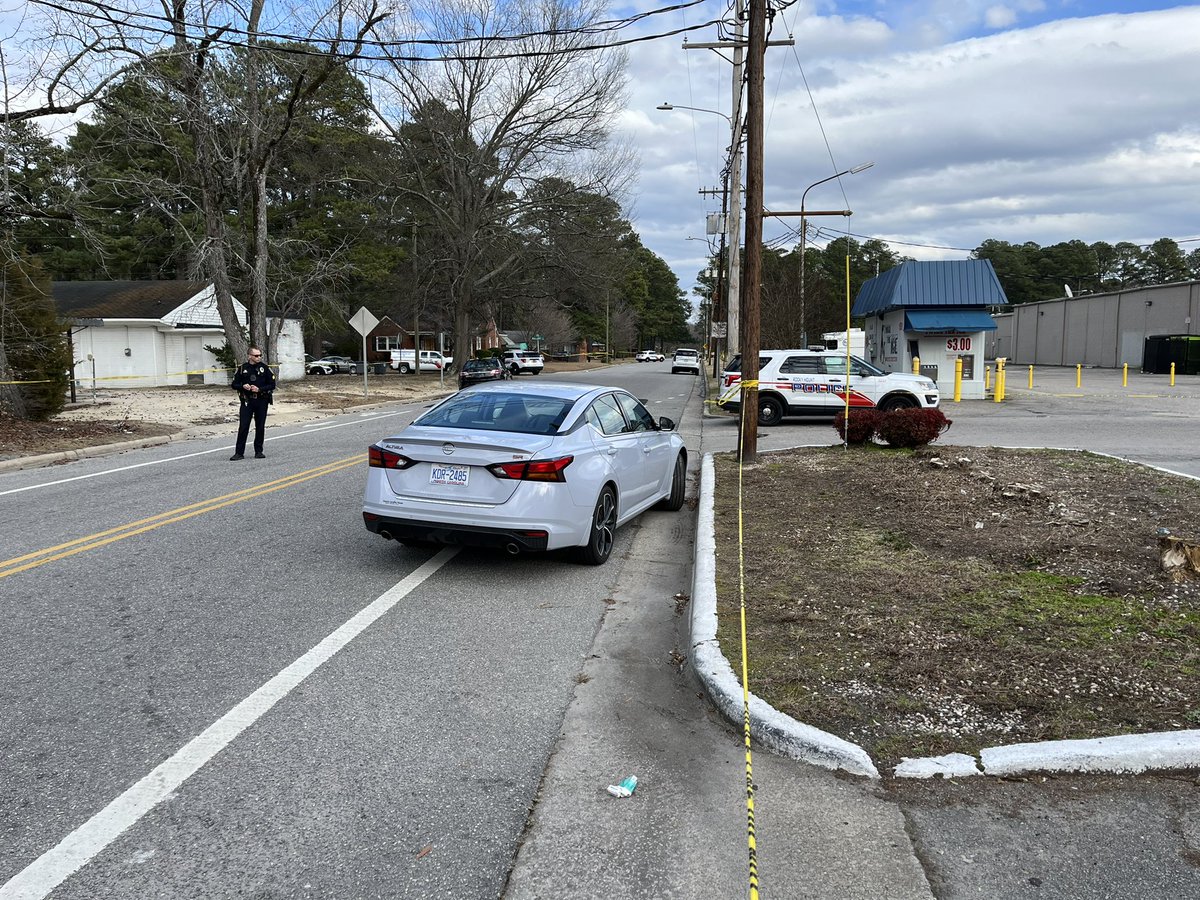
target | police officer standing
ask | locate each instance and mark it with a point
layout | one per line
(254, 381)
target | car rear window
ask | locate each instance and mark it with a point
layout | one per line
(493, 411)
(735, 364)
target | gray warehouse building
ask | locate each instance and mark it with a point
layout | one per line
(1102, 330)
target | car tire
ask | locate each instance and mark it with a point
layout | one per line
(354, 370)
(770, 411)
(674, 500)
(602, 530)
(515, 369)
(900, 402)
(537, 371)
(405, 368)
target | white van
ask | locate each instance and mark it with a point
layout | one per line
(431, 361)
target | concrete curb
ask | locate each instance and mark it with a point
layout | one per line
(62, 456)
(767, 725)
(1127, 754)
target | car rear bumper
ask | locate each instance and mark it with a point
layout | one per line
(525, 539)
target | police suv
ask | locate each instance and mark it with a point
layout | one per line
(813, 383)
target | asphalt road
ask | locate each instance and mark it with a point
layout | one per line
(458, 744)
(146, 596)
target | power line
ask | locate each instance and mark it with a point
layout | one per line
(117, 17)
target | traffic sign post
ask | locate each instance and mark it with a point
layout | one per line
(363, 322)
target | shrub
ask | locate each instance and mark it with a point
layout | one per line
(863, 424)
(911, 427)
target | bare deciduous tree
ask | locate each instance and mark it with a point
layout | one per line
(514, 101)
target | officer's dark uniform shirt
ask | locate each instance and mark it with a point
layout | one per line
(257, 373)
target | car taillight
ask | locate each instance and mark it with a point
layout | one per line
(533, 470)
(379, 458)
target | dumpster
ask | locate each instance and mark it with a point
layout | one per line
(1163, 349)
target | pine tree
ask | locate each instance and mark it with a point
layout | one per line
(34, 357)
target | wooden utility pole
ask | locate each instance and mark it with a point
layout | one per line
(752, 275)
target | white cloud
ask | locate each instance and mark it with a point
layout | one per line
(1078, 128)
(999, 16)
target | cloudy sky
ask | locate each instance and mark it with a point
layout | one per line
(1026, 120)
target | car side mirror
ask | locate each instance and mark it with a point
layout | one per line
(665, 424)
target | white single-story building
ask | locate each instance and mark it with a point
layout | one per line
(933, 312)
(132, 334)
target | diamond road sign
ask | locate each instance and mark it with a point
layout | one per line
(363, 321)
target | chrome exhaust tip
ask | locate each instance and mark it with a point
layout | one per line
(512, 549)
(385, 534)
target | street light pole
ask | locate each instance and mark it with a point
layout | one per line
(730, 209)
(804, 235)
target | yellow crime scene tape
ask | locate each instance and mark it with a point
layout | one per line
(131, 529)
(750, 834)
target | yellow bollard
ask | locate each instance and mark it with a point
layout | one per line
(1172, 374)
(1125, 375)
(987, 378)
(1031, 378)
(958, 380)
(1003, 384)
(916, 365)
(1078, 375)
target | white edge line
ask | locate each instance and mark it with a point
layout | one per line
(79, 847)
(159, 462)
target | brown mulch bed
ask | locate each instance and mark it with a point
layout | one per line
(925, 602)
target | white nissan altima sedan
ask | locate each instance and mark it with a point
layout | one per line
(525, 466)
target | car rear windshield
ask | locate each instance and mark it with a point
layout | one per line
(495, 411)
(485, 364)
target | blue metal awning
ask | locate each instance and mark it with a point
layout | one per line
(958, 321)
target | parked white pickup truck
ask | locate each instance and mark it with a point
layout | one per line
(431, 361)
(519, 361)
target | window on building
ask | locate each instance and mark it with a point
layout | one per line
(386, 342)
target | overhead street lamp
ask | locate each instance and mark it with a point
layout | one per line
(731, 214)
(670, 106)
(804, 234)
(802, 213)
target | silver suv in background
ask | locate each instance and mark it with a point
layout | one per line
(813, 383)
(686, 360)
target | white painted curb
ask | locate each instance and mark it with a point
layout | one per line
(767, 725)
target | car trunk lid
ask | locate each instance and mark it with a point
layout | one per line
(451, 464)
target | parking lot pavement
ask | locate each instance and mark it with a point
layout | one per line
(1147, 421)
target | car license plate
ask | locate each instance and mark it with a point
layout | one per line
(454, 476)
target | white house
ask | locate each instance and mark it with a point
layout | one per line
(153, 333)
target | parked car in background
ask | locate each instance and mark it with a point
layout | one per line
(524, 467)
(477, 371)
(519, 361)
(813, 383)
(431, 361)
(686, 360)
(649, 356)
(332, 365)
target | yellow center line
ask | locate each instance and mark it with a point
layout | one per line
(119, 533)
